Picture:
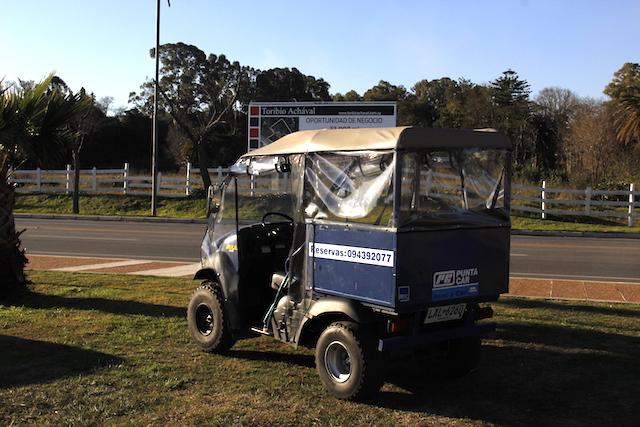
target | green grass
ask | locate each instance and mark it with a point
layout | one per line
(92, 349)
(537, 224)
(110, 205)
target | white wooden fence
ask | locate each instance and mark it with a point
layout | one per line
(542, 201)
(110, 181)
(587, 202)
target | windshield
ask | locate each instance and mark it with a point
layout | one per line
(458, 186)
(257, 195)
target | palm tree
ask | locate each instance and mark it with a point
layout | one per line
(627, 118)
(12, 256)
(33, 125)
(624, 91)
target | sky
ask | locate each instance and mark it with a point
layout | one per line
(104, 45)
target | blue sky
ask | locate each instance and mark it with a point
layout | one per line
(104, 45)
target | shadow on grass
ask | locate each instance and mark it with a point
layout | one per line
(618, 310)
(27, 362)
(578, 219)
(544, 376)
(532, 374)
(298, 359)
(114, 306)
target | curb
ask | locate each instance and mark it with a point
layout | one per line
(608, 301)
(159, 220)
(611, 235)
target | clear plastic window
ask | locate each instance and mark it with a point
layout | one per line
(458, 186)
(258, 195)
(350, 187)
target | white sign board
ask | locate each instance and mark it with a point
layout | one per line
(269, 121)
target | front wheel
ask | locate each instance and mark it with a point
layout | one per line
(348, 362)
(207, 321)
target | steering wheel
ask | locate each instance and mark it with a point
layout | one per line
(268, 214)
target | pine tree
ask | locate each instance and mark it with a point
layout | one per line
(510, 96)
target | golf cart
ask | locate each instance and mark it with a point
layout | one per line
(367, 244)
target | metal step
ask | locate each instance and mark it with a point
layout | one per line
(262, 331)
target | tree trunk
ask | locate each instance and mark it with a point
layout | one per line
(76, 182)
(12, 256)
(204, 165)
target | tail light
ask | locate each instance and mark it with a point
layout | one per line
(399, 325)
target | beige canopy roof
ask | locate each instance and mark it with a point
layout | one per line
(310, 141)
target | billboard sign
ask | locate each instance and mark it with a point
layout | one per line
(269, 121)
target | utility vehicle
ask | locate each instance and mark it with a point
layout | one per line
(367, 244)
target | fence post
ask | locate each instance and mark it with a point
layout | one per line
(187, 188)
(38, 180)
(94, 180)
(544, 197)
(159, 183)
(632, 201)
(253, 185)
(587, 201)
(125, 179)
(429, 183)
(67, 184)
(209, 199)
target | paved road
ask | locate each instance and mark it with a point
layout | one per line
(135, 240)
(600, 259)
(544, 257)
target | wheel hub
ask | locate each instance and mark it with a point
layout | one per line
(204, 319)
(337, 361)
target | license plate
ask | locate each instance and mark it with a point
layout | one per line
(444, 313)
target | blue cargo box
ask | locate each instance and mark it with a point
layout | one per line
(405, 271)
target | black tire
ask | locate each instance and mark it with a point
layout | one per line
(207, 321)
(463, 356)
(348, 362)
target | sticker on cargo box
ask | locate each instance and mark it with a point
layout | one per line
(450, 284)
(355, 254)
(404, 294)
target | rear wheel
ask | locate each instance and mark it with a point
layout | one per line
(207, 321)
(348, 362)
(463, 356)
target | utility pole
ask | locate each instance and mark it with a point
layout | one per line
(154, 155)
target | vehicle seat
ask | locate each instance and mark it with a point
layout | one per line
(276, 280)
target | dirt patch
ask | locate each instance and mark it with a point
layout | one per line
(50, 262)
(602, 291)
(573, 289)
(631, 292)
(530, 287)
(138, 267)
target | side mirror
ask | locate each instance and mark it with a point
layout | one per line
(212, 207)
(313, 211)
(283, 165)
